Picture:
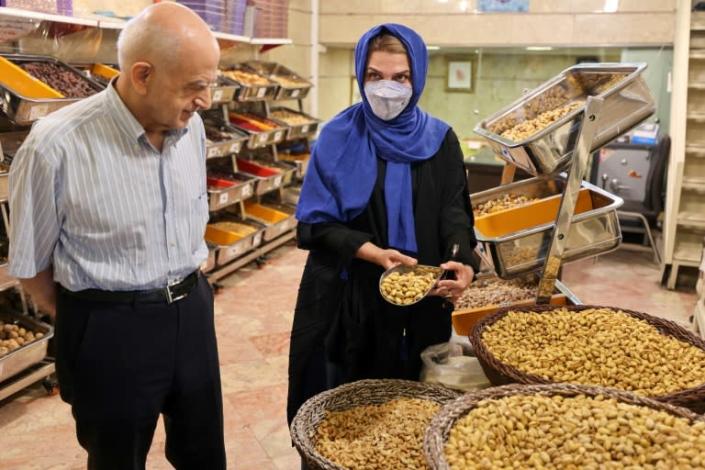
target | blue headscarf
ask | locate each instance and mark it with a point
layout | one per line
(343, 168)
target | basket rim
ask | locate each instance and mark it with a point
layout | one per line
(438, 431)
(664, 326)
(303, 432)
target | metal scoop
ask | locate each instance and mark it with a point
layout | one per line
(427, 279)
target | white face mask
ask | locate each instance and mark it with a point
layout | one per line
(387, 98)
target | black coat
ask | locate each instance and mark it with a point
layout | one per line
(343, 330)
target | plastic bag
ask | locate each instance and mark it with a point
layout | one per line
(454, 366)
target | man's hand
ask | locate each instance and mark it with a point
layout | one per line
(385, 258)
(42, 290)
(453, 289)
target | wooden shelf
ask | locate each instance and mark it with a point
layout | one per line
(694, 220)
(697, 117)
(697, 85)
(695, 150)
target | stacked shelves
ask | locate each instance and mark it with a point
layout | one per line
(689, 210)
(253, 175)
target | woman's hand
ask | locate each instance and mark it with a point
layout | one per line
(385, 258)
(453, 289)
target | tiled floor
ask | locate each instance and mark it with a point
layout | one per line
(253, 317)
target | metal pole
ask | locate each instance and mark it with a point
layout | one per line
(578, 168)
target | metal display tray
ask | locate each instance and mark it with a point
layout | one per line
(248, 92)
(29, 354)
(286, 91)
(224, 91)
(210, 261)
(299, 130)
(628, 102)
(243, 188)
(595, 228)
(227, 253)
(227, 147)
(4, 185)
(274, 230)
(264, 138)
(25, 110)
(288, 170)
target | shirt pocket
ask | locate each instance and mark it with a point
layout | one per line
(199, 219)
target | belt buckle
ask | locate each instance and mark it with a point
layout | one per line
(170, 298)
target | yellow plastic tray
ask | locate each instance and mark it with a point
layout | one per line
(104, 71)
(22, 83)
(527, 216)
(227, 235)
(264, 213)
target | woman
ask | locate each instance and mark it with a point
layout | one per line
(385, 186)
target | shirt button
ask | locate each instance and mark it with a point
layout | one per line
(173, 245)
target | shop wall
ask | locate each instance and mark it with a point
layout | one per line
(335, 77)
(660, 65)
(549, 22)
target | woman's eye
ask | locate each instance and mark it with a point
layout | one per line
(403, 78)
(373, 76)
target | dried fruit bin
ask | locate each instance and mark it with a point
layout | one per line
(300, 124)
(301, 161)
(518, 238)
(253, 87)
(501, 373)
(23, 98)
(224, 91)
(628, 101)
(263, 131)
(348, 396)
(268, 178)
(4, 181)
(441, 427)
(29, 354)
(225, 190)
(291, 85)
(234, 240)
(232, 144)
(464, 319)
(287, 169)
(278, 219)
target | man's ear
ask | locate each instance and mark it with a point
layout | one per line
(141, 73)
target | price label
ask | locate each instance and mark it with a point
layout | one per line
(278, 181)
(247, 191)
(223, 198)
(217, 95)
(261, 92)
(278, 135)
(212, 152)
(305, 129)
(262, 138)
(257, 240)
(235, 147)
(295, 93)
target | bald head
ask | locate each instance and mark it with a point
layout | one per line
(165, 34)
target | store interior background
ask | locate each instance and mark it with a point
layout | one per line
(509, 52)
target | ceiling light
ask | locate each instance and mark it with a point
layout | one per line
(611, 6)
(539, 48)
(433, 48)
(463, 5)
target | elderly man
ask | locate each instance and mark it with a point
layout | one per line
(108, 211)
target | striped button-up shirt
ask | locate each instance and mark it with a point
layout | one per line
(91, 196)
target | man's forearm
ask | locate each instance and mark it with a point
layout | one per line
(42, 289)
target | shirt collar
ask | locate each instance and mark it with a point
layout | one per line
(129, 123)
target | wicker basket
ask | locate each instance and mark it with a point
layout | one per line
(500, 373)
(441, 425)
(361, 393)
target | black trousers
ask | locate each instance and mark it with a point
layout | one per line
(121, 365)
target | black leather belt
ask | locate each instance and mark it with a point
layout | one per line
(168, 294)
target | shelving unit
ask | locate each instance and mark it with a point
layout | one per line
(271, 188)
(685, 222)
(104, 22)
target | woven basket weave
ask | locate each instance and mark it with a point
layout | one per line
(500, 373)
(442, 423)
(361, 393)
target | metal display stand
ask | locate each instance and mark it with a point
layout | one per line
(578, 169)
